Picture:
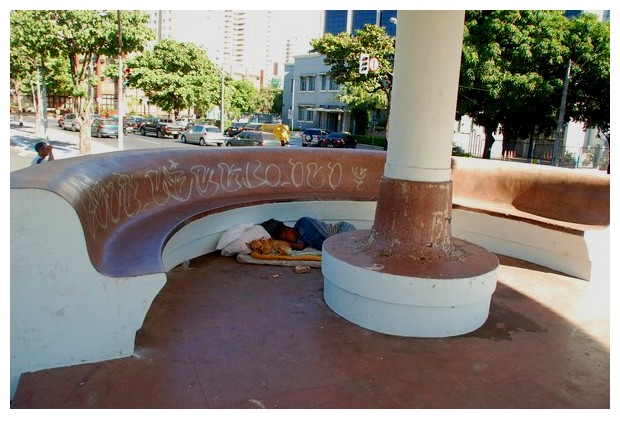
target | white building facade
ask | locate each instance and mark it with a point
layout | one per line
(310, 96)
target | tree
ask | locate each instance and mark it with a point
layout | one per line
(271, 100)
(245, 98)
(342, 53)
(588, 93)
(79, 36)
(31, 45)
(512, 71)
(84, 35)
(176, 76)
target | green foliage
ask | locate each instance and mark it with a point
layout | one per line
(342, 53)
(588, 95)
(65, 43)
(246, 98)
(513, 67)
(371, 140)
(176, 76)
(271, 100)
(459, 151)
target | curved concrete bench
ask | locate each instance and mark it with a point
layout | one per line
(555, 217)
(93, 237)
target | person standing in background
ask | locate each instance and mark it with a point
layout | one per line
(44, 153)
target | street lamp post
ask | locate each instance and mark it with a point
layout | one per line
(555, 158)
(121, 85)
(222, 104)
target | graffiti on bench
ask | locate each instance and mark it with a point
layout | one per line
(120, 197)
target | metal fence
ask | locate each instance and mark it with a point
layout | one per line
(595, 156)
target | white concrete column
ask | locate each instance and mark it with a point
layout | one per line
(424, 93)
(408, 276)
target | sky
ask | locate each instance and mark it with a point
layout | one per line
(285, 24)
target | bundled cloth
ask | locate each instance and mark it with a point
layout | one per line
(235, 239)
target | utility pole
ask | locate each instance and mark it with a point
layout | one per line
(44, 99)
(558, 132)
(121, 85)
(222, 127)
(292, 118)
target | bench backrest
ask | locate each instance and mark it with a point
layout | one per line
(112, 192)
(577, 196)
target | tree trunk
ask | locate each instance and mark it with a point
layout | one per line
(488, 140)
(86, 122)
(36, 104)
(43, 99)
(18, 96)
(388, 93)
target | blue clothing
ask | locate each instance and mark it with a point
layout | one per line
(313, 232)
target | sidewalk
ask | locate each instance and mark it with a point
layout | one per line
(224, 335)
(66, 145)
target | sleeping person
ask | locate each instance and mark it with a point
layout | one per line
(307, 232)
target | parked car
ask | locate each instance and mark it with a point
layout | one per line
(341, 140)
(311, 136)
(280, 130)
(235, 129)
(104, 128)
(252, 126)
(254, 138)
(132, 123)
(187, 122)
(204, 135)
(71, 122)
(61, 120)
(161, 127)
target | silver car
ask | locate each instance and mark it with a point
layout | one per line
(254, 138)
(72, 122)
(204, 135)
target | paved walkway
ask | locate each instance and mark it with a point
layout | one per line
(226, 335)
(66, 145)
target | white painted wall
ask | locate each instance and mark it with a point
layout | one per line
(63, 312)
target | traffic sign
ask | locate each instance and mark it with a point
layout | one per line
(375, 120)
(373, 64)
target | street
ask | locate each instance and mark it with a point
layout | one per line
(66, 143)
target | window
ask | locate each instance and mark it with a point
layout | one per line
(335, 21)
(363, 17)
(304, 114)
(108, 102)
(307, 83)
(384, 21)
(333, 86)
(324, 82)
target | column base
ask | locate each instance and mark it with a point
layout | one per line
(399, 295)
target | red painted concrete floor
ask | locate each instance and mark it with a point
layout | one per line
(226, 335)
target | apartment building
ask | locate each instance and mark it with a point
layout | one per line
(310, 97)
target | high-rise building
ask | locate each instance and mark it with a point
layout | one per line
(349, 21)
(248, 43)
(603, 15)
(163, 23)
(238, 41)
